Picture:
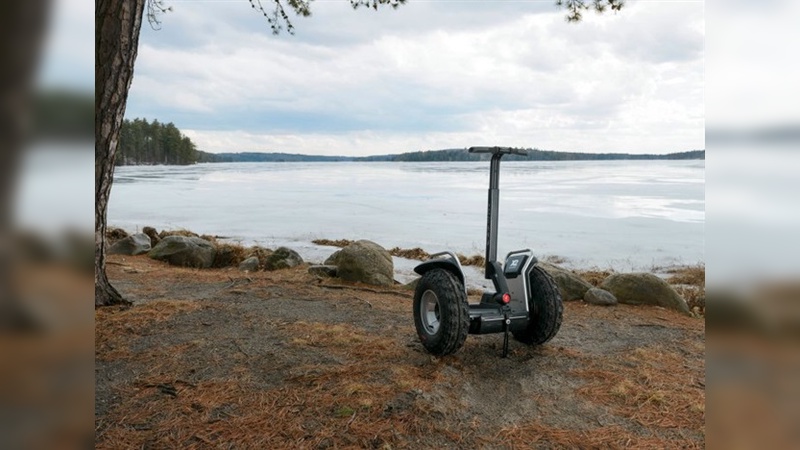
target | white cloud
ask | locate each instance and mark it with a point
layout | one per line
(423, 77)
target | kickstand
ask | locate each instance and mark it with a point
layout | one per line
(506, 323)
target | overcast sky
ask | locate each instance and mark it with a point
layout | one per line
(429, 75)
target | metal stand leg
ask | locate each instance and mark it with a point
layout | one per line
(506, 324)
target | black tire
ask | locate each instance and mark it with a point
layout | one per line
(546, 309)
(441, 312)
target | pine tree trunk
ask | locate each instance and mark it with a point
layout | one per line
(117, 25)
(22, 27)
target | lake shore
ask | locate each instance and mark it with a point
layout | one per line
(687, 280)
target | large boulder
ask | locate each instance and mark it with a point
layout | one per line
(184, 251)
(283, 258)
(644, 289)
(249, 265)
(571, 286)
(597, 296)
(135, 244)
(364, 261)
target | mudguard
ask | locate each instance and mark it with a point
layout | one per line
(443, 260)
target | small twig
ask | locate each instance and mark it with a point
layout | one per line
(352, 418)
(235, 342)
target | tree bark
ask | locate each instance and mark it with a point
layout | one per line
(117, 26)
(22, 27)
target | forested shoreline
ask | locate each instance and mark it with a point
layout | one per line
(143, 142)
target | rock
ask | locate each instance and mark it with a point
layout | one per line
(135, 244)
(366, 262)
(323, 271)
(282, 258)
(185, 251)
(154, 238)
(597, 296)
(644, 289)
(571, 286)
(185, 233)
(250, 264)
(331, 261)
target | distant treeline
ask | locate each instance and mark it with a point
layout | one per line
(143, 142)
(445, 155)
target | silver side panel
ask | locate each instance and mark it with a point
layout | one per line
(518, 287)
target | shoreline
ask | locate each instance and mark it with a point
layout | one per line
(687, 279)
(315, 248)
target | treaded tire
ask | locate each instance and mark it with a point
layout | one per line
(443, 329)
(545, 307)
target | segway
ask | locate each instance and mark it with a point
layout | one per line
(525, 301)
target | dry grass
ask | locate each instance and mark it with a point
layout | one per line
(691, 275)
(690, 282)
(229, 255)
(410, 253)
(115, 325)
(114, 234)
(333, 243)
(474, 260)
(657, 387)
(536, 435)
(595, 277)
(366, 401)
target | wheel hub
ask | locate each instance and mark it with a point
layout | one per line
(429, 312)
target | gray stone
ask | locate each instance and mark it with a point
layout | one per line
(597, 296)
(331, 261)
(283, 258)
(644, 289)
(249, 265)
(135, 244)
(323, 271)
(366, 262)
(571, 286)
(185, 251)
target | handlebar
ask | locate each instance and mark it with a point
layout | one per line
(499, 150)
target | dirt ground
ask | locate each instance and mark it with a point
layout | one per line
(226, 359)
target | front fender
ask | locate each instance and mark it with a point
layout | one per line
(447, 261)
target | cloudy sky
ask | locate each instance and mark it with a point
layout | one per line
(429, 75)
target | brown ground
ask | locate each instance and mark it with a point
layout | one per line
(223, 359)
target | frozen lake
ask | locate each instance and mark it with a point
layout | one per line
(627, 215)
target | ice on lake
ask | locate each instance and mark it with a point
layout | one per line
(627, 215)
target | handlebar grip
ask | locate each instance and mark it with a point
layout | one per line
(501, 150)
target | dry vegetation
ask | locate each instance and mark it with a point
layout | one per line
(219, 359)
(690, 282)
